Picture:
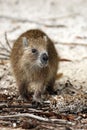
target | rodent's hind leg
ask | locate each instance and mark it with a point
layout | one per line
(23, 90)
(50, 87)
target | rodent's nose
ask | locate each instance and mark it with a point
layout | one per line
(44, 58)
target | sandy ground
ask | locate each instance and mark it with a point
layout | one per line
(64, 21)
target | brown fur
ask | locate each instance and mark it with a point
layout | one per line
(30, 78)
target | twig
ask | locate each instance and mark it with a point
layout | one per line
(31, 21)
(72, 44)
(14, 29)
(64, 59)
(4, 54)
(4, 47)
(60, 17)
(60, 121)
(51, 124)
(47, 127)
(5, 122)
(17, 19)
(55, 26)
(5, 105)
(35, 110)
(7, 41)
(2, 62)
(4, 58)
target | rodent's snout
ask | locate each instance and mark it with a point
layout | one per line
(44, 58)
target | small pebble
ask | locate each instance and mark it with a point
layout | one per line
(14, 125)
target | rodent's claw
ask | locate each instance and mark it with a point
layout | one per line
(36, 104)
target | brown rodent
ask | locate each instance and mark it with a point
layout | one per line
(34, 62)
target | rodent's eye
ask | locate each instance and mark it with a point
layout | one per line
(34, 50)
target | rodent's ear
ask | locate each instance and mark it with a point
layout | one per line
(45, 38)
(25, 42)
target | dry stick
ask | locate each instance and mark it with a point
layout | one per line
(35, 110)
(59, 17)
(47, 127)
(60, 121)
(64, 59)
(27, 20)
(13, 29)
(4, 47)
(17, 19)
(7, 41)
(4, 58)
(55, 26)
(4, 54)
(5, 122)
(51, 124)
(72, 44)
(5, 105)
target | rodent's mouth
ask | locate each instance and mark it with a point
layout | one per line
(43, 65)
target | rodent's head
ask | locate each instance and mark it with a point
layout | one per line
(35, 51)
